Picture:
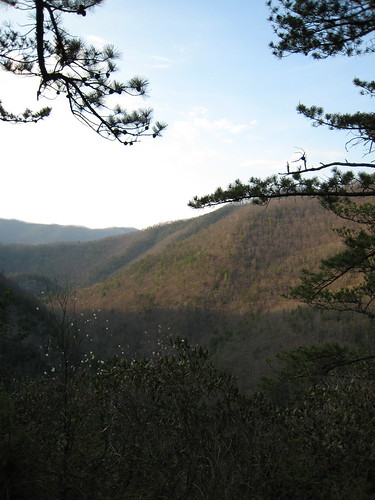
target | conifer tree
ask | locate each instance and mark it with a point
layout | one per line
(321, 29)
(65, 64)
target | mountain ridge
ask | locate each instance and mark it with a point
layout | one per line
(84, 263)
(30, 233)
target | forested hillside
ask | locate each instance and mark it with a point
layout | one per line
(219, 280)
(85, 263)
(225, 287)
(236, 242)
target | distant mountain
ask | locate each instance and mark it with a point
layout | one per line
(15, 231)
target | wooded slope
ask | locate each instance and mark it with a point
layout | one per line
(219, 279)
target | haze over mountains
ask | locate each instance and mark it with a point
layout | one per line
(15, 231)
(220, 280)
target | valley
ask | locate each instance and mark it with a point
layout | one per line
(220, 280)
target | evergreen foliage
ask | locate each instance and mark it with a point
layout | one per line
(346, 280)
(64, 64)
(261, 191)
(322, 29)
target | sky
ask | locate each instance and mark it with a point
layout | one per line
(230, 106)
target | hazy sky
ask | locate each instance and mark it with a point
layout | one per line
(229, 104)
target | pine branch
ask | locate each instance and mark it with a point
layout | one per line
(65, 65)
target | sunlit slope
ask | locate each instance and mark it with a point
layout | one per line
(85, 263)
(245, 261)
(224, 287)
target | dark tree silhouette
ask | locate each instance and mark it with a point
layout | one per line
(321, 29)
(64, 64)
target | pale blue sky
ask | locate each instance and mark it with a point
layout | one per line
(229, 103)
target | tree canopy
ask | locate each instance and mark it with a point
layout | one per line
(174, 426)
(65, 64)
(322, 28)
